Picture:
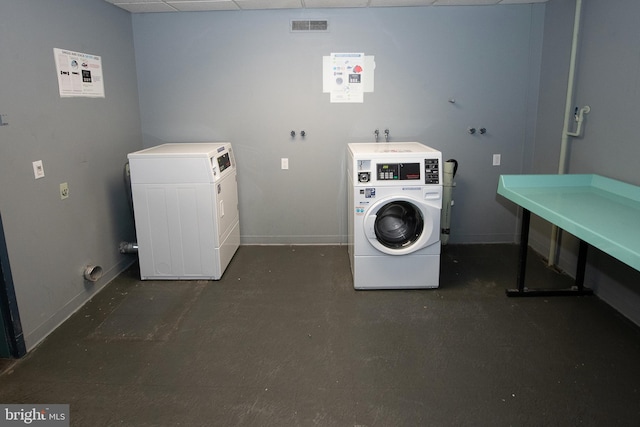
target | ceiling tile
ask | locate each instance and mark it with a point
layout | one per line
(269, 4)
(133, 1)
(390, 3)
(201, 6)
(317, 4)
(522, 1)
(464, 2)
(146, 6)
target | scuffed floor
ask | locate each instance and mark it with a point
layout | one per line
(284, 340)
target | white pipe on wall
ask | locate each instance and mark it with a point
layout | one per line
(449, 170)
(562, 164)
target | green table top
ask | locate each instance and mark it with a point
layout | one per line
(601, 211)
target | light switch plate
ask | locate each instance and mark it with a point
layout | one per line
(38, 169)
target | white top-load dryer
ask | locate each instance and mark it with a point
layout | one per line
(185, 200)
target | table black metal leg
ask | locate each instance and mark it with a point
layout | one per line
(582, 264)
(522, 291)
(524, 247)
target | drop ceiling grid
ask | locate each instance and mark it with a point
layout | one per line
(151, 6)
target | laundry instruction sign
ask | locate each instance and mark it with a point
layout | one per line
(34, 415)
(347, 76)
(79, 74)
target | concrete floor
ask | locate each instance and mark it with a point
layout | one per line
(284, 340)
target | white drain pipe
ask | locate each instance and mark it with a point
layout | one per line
(564, 146)
(92, 273)
(449, 170)
(562, 164)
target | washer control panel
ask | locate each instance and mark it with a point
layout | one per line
(398, 171)
(427, 172)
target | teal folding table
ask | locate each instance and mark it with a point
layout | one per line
(599, 211)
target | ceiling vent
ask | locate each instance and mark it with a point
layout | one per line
(316, 26)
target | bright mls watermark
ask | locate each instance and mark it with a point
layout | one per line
(34, 415)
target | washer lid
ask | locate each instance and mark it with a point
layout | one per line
(384, 148)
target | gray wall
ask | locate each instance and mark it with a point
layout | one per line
(243, 77)
(81, 141)
(608, 80)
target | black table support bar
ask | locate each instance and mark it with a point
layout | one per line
(524, 248)
(522, 291)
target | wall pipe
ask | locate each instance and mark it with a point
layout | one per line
(128, 248)
(562, 164)
(449, 170)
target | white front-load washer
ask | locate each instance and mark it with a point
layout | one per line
(395, 201)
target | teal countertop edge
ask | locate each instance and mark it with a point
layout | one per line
(523, 189)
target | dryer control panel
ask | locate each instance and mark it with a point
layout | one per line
(189, 162)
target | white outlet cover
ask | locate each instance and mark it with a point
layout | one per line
(64, 191)
(38, 169)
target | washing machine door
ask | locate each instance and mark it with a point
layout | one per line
(401, 225)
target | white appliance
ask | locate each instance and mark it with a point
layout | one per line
(395, 201)
(185, 201)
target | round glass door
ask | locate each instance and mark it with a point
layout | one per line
(398, 224)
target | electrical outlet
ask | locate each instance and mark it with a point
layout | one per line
(284, 163)
(64, 191)
(496, 160)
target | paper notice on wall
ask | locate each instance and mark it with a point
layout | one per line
(79, 74)
(347, 76)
